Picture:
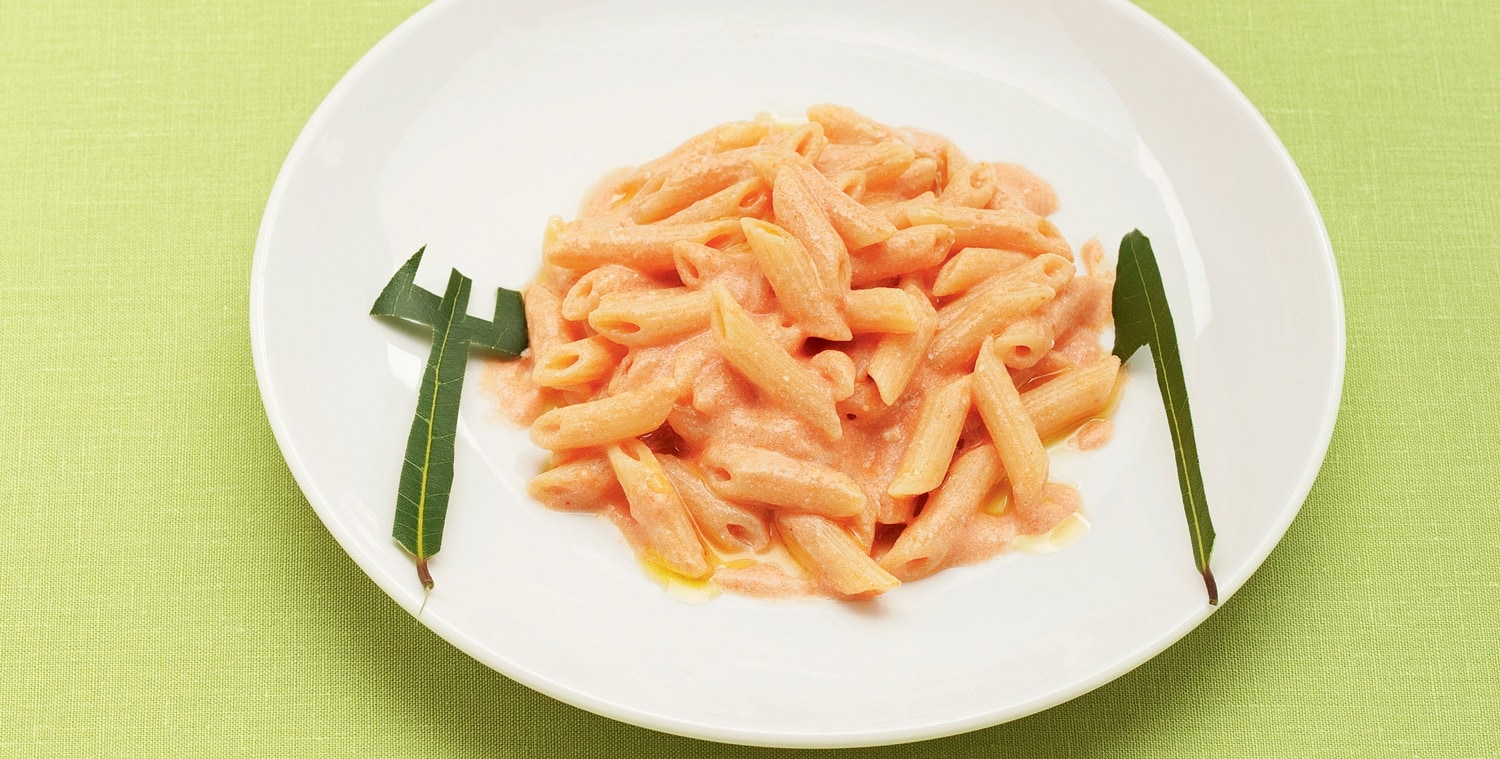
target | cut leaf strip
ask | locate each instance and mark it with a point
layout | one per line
(427, 472)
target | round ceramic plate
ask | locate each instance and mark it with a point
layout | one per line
(475, 121)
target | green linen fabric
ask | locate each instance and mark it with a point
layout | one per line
(165, 590)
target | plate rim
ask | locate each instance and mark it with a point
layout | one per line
(979, 718)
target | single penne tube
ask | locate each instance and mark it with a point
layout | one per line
(828, 550)
(546, 327)
(837, 369)
(730, 526)
(657, 508)
(880, 309)
(749, 197)
(1071, 397)
(699, 267)
(894, 211)
(926, 144)
(1047, 269)
(1026, 341)
(583, 484)
(951, 161)
(646, 248)
(852, 183)
(923, 176)
(929, 450)
(845, 125)
(862, 526)
(719, 139)
(584, 295)
(769, 163)
(799, 213)
(794, 277)
(1017, 187)
(756, 475)
(857, 226)
(696, 428)
(895, 510)
(575, 364)
(897, 356)
(605, 420)
(695, 263)
(757, 357)
(923, 546)
(651, 317)
(1011, 429)
(1009, 228)
(970, 266)
(906, 251)
(972, 185)
(963, 325)
(882, 163)
(667, 193)
(807, 140)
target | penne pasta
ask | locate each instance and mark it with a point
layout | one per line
(1071, 397)
(667, 193)
(856, 225)
(573, 364)
(1017, 187)
(772, 337)
(748, 197)
(651, 317)
(770, 368)
(583, 484)
(940, 421)
(880, 309)
(845, 125)
(837, 369)
(923, 176)
(799, 213)
(1009, 228)
(729, 526)
(897, 356)
(1015, 437)
(647, 249)
(722, 138)
(656, 507)
(605, 420)
(756, 475)
(795, 279)
(970, 266)
(882, 163)
(906, 251)
(964, 324)
(825, 548)
(924, 545)
(583, 297)
(547, 328)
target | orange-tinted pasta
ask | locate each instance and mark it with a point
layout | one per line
(802, 358)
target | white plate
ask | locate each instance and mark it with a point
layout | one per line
(474, 121)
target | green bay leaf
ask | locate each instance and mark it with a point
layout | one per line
(427, 470)
(1144, 318)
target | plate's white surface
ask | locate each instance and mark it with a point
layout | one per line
(474, 121)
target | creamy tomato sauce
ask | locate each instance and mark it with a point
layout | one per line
(743, 397)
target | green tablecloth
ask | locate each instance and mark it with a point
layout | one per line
(166, 590)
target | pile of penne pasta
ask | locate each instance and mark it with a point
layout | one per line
(836, 337)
